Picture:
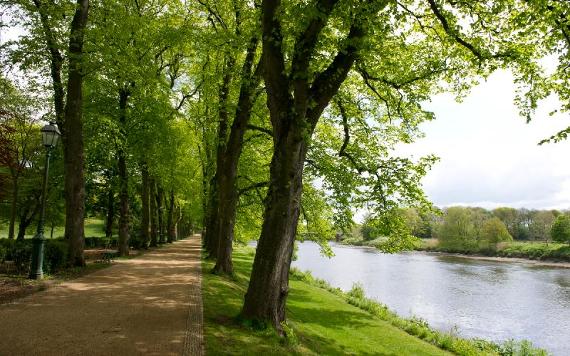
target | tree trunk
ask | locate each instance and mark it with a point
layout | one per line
(153, 217)
(295, 105)
(145, 223)
(160, 212)
(13, 208)
(110, 213)
(227, 213)
(227, 168)
(124, 206)
(123, 177)
(269, 283)
(212, 231)
(74, 159)
(25, 222)
(177, 221)
(68, 115)
(22, 226)
(170, 223)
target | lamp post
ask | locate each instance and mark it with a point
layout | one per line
(50, 136)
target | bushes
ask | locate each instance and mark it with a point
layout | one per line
(55, 255)
(20, 252)
(530, 250)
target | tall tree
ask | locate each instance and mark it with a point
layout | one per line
(400, 49)
(68, 106)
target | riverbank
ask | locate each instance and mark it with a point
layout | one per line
(323, 320)
(536, 253)
(538, 263)
(539, 253)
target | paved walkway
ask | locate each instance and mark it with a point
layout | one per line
(148, 305)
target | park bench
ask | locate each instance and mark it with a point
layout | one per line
(8, 267)
(107, 256)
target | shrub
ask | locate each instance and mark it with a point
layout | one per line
(55, 255)
(560, 230)
(136, 242)
(20, 252)
(94, 242)
(2, 253)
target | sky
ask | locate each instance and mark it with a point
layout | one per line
(489, 156)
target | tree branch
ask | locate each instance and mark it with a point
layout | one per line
(327, 83)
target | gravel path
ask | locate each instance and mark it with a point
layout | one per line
(148, 305)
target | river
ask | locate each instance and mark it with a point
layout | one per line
(484, 299)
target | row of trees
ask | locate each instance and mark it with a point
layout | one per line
(473, 228)
(521, 224)
(272, 119)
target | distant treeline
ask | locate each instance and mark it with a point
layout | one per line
(473, 225)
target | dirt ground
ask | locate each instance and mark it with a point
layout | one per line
(147, 305)
(13, 287)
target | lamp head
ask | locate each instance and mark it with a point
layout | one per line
(50, 135)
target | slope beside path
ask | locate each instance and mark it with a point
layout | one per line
(147, 305)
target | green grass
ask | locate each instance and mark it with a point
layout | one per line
(322, 322)
(94, 227)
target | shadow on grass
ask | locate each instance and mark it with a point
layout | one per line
(223, 298)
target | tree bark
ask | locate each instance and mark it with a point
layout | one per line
(177, 221)
(123, 242)
(160, 212)
(145, 223)
(68, 114)
(74, 159)
(269, 283)
(212, 221)
(22, 226)
(228, 164)
(110, 213)
(295, 106)
(26, 220)
(13, 208)
(170, 223)
(153, 217)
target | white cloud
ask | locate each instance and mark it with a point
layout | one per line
(489, 155)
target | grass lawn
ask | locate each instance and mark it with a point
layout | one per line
(94, 227)
(322, 322)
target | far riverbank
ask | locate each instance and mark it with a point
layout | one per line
(536, 253)
(559, 264)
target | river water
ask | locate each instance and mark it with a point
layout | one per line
(484, 299)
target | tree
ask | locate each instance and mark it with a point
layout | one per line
(327, 43)
(494, 231)
(509, 216)
(46, 22)
(458, 229)
(560, 230)
(20, 138)
(541, 224)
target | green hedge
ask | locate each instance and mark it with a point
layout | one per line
(20, 252)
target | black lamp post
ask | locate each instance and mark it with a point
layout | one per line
(50, 136)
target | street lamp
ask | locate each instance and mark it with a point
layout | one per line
(50, 136)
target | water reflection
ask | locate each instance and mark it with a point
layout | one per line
(493, 300)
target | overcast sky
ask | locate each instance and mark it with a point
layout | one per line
(489, 156)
